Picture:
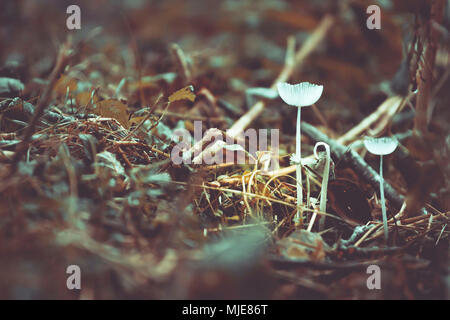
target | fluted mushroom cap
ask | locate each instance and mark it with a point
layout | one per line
(299, 95)
(380, 146)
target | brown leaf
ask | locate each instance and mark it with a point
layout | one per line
(187, 93)
(84, 98)
(303, 245)
(112, 108)
(63, 83)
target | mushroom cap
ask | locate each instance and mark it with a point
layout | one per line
(380, 146)
(299, 95)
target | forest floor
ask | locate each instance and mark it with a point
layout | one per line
(88, 120)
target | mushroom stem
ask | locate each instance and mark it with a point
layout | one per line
(299, 216)
(383, 204)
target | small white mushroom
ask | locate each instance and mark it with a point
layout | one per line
(381, 146)
(299, 95)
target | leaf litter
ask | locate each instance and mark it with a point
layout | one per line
(86, 136)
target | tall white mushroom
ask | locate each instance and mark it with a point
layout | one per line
(381, 146)
(299, 95)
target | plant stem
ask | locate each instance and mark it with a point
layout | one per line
(383, 204)
(299, 216)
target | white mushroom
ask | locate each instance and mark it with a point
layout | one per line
(299, 95)
(381, 146)
(302, 94)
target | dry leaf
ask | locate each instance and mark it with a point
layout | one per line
(83, 98)
(303, 245)
(63, 82)
(136, 120)
(187, 93)
(112, 108)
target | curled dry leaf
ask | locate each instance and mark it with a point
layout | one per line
(187, 93)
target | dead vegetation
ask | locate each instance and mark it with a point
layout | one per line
(86, 141)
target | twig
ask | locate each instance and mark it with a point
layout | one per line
(61, 61)
(150, 112)
(392, 103)
(188, 116)
(182, 62)
(440, 234)
(364, 237)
